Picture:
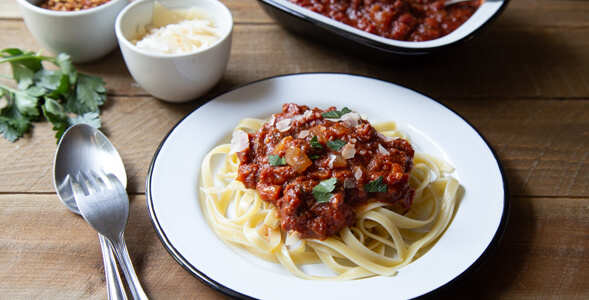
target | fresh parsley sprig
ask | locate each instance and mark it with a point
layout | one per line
(376, 185)
(276, 160)
(334, 114)
(64, 96)
(322, 191)
(336, 144)
(315, 143)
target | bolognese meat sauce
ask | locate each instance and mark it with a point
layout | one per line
(406, 20)
(71, 5)
(317, 166)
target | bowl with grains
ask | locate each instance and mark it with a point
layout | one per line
(176, 50)
(84, 29)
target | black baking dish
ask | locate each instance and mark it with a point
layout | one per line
(327, 31)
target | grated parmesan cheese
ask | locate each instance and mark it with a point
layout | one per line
(177, 31)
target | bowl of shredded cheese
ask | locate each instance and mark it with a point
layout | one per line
(177, 50)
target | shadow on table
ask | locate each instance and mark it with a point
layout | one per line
(501, 63)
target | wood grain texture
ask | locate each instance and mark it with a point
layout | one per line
(543, 144)
(542, 254)
(47, 252)
(508, 60)
(523, 84)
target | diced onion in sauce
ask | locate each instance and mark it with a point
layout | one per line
(297, 159)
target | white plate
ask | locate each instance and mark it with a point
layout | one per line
(172, 196)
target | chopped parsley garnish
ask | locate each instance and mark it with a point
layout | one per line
(336, 113)
(314, 156)
(315, 143)
(276, 160)
(64, 96)
(336, 144)
(322, 191)
(377, 185)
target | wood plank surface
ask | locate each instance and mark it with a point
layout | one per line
(68, 263)
(535, 259)
(508, 63)
(509, 60)
(523, 84)
(544, 149)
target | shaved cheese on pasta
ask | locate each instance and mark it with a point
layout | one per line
(348, 151)
(239, 141)
(382, 150)
(283, 125)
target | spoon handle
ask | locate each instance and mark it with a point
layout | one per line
(114, 284)
(122, 255)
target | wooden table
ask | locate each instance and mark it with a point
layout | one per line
(524, 83)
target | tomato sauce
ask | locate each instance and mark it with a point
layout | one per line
(300, 148)
(405, 20)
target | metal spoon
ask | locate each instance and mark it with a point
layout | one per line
(82, 147)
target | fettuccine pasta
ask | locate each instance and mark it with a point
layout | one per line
(380, 241)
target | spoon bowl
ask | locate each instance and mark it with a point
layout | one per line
(84, 148)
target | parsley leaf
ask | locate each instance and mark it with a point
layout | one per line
(22, 75)
(315, 142)
(377, 185)
(55, 114)
(65, 64)
(13, 124)
(336, 144)
(22, 58)
(325, 186)
(9, 132)
(26, 104)
(322, 191)
(49, 80)
(336, 113)
(90, 94)
(276, 160)
(57, 93)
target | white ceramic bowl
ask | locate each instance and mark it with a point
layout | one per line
(85, 35)
(175, 77)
